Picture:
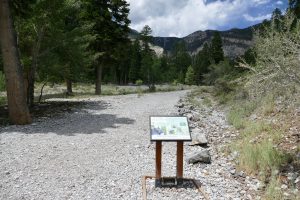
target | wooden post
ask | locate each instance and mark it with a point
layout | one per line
(158, 164)
(179, 174)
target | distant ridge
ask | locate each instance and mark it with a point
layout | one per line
(235, 41)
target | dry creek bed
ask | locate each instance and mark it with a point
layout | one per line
(102, 149)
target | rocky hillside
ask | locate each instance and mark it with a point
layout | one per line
(235, 41)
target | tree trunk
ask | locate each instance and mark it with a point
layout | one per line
(69, 87)
(17, 107)
(98, 79)
(32, 70)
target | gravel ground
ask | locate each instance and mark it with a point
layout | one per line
(101, 151)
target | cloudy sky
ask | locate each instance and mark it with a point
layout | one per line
(182, 17)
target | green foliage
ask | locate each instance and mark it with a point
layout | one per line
(146, 37)
(216, 48)
(190, 76)
(239, 112)
(135, 61)
(178, 62)
(273, 191)
(261, 157)
(139, 82)
(201, 63)
(217, 71)
(277, 58)
(249, 57)
(294, 6)
(2, 82)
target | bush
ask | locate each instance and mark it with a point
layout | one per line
(152, 88)
(2, 82)
(277, 61)
(175, 82)
(139, 82)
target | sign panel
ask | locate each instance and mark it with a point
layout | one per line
(164, 128)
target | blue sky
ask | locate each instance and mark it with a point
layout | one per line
(182, 17)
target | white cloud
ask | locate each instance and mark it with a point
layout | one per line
(182, 17)
(256, 18)
(261, 2)
(279, 3)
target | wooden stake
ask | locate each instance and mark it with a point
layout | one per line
(179, 160)
(158, 160)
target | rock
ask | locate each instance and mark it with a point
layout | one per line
(242, 174)
(190, 116)
(199, 139)
(283, 186)
(180, 105)
(291, 176)
(202, 156)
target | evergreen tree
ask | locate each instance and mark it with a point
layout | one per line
(202, 63)
(147, 55)
(216, 48)
(135, 62)
(180, 61)
(110, 29)
(275, 19)
(294, 6)
(190, 76)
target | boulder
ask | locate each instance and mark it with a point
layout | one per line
(202, 156)
(180, 105)
(199, 139)
(190, 116)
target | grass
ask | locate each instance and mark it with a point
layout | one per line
(84, 90)
(273, 191)
(199, 96)
(239, 112)
(257, 141)
(260, 158)
(207, 101)
(259, 137)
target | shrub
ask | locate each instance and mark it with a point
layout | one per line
(139, 82)
(277, 61)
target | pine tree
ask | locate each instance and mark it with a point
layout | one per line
(294, 6)
(181, 60)
(202, 63)
(135, 62)
(147, 55)
(216, 48)
(275, 19)
(110, 29)
(190, 76)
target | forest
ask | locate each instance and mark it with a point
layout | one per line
(245, 108)
(85, 41)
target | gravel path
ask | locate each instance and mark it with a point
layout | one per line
(101, 151)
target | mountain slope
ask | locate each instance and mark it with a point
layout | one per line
(235, 41)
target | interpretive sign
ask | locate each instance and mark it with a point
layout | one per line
(169, 128)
